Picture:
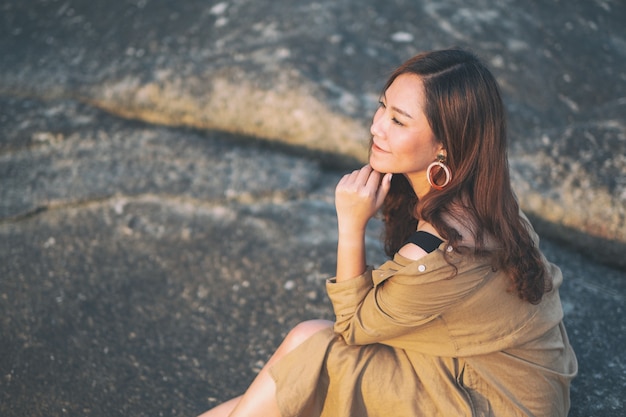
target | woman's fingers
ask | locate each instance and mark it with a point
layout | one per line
(360, 194)
(365, 179)
(383, 189)
(364, 176)
(356, 177)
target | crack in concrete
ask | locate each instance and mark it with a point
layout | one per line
(183, 204)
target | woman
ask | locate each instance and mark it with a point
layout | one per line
(465, 318)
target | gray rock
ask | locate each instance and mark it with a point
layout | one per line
(308, 74)
(149, 267)
(151, 271)
(70, 154)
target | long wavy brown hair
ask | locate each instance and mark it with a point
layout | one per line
(464, 108)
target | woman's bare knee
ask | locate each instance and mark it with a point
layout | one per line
(260, 396)
(222, 410)
(304, 330)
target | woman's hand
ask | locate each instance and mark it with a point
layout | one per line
(358, 197)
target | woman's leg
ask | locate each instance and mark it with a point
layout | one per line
(260, 398)
(224, 409)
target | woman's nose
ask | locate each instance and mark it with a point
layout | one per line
(376, 127)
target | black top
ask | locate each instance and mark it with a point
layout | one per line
(425, 240)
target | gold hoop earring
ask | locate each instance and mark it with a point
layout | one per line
(439, 163)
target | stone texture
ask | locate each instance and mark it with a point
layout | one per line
(308, 74)
(149, 266)
(151, 271)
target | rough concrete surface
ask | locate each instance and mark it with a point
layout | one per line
(150, 266)
(309, 73)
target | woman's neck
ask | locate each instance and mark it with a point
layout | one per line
(419, 183)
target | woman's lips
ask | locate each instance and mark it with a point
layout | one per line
(376, 148)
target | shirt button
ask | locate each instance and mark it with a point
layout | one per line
(421, 268)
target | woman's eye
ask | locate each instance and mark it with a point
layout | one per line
(381, 105)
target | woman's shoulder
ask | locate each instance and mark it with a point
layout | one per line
(443, 263)
(420, 243)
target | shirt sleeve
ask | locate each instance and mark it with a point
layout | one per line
(399, 297)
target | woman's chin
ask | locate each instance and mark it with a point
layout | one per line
(377, 166)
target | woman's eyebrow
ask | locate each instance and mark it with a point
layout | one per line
(402, 112)
(396, 109)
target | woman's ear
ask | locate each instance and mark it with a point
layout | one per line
(442, 151)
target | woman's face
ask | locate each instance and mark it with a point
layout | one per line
(402, 141)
